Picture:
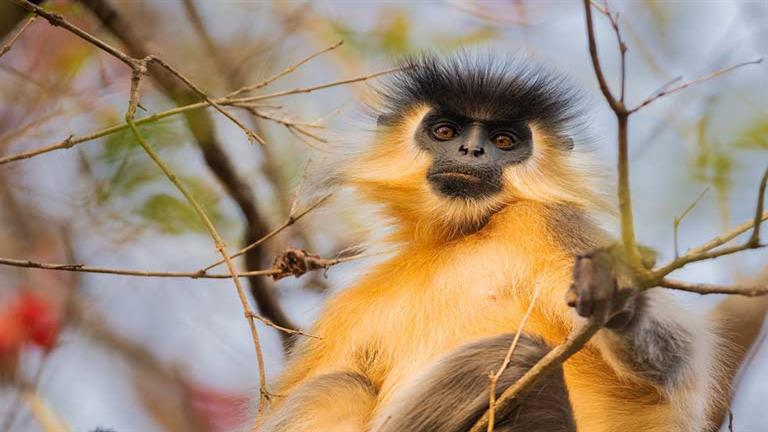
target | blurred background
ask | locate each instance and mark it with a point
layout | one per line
(172, 354)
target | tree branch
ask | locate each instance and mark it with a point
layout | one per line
(665, 92)
(553, 359)
(203, 130)
(7, 47)
(699, 288)
(217, 240)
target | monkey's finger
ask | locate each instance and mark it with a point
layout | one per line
(585, 303)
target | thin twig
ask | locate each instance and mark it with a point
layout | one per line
(715, 74)
(704, 251)
(291, 125)
(754, 239)
(72, 141)
(553, 359)
(679, 219)
(614, 19)
(310, 89)
(217, 240)
(7, 47)
(284, 72)
(292, 219)
(59, 21)
(252, 136)
(82, 268)
(700, 288)
(508, 358)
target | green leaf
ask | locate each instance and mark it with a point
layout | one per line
(173, 215)
(755, 137)
(394, 37)
(170, 215)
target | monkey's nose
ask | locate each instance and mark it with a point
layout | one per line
(476, 151)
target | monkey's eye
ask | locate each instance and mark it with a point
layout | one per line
(444, 132)
(505, 141)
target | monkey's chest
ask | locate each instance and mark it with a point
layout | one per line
(405, 334)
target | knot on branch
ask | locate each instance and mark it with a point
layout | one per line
(296, 262)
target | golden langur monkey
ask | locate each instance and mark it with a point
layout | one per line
(478, 166)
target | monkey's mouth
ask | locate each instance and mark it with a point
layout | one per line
(463, 182)
(456, 176)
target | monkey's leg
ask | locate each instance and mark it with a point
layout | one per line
(453, 394)
(338, 402)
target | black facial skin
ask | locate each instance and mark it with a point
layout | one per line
(469, 154)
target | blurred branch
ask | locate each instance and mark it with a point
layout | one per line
(282, 73)
(235, 81)
(139, 68)
(167, 376)
(292, 219)
(72, 140)
(323, 263)
(48, 420)
(7, 47)
(217, 240)
(203, 129)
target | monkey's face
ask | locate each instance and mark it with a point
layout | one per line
(458, 141)
(469, 155)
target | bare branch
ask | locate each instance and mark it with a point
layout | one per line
(715, 74)
(59, 21)
(284, 72)
(7, 47)
(508, 358)
(82, 268)
(622, 116)
(218, 242)
(292, 219)
(699, 288)
(679, 219)
(72, 141)
(754, 239)
(252, 136)
(301, 90)
(575, 341)
(706, 251)
(604, 88)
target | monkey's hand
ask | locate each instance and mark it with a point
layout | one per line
(603, 285)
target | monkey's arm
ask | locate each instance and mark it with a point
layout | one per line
(661, 343)
(647, 335)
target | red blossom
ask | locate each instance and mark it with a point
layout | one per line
(37, 317)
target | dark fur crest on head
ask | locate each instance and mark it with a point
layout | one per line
(482, 87)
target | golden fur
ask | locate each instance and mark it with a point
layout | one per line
(465, 271)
